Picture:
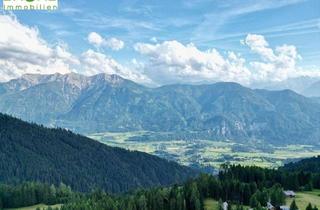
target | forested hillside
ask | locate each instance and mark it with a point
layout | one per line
(29, 152)
(249, 186)
(237, 185)
(306, 165)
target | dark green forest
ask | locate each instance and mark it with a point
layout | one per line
(307, 165)
(29, 152)
(252, 186)
(31, 193)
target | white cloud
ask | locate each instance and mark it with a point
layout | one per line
(114, 44)
(22, 51)
(95, 39)
(98, 41)
(276, 65)
(93, 62)
(154, 39)
(171, 62)
(259, 45)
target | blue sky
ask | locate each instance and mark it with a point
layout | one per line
(208, 24)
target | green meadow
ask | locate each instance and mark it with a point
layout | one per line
(210, 204)
(304, 198)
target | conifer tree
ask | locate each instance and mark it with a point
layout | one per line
(309, 207)
(294, 206)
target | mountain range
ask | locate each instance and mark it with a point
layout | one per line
(304, 85)
(29, 152)
(110, 103)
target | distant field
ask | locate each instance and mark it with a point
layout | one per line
(36, 206)
(206, 152)
(304, 198)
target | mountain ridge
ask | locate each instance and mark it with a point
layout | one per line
(304, 85)
(222, 110)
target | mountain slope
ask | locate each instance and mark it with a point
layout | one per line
(33, 153)
(54, 95)
(217, 111)
(305, 85)
(313, 90)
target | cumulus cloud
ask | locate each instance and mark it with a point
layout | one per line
(95, 39)
(95, 62)
(22, 51)
(114, 44)
(276, 65)
(259, 45)
(98, 41)
(172, 61)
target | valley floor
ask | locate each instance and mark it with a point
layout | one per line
(207, 152)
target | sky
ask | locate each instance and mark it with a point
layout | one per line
(166, 42)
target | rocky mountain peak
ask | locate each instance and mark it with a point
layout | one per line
(112, 79)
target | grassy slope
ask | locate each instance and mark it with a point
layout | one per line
(210, 204)
(304, 198)
(36, 206)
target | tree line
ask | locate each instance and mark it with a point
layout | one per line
(238, 185)
(32, 193)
